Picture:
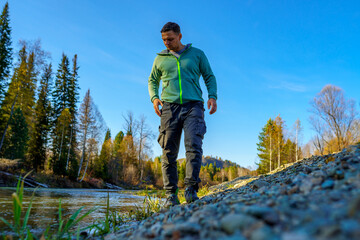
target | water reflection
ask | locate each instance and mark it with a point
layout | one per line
(45, 207)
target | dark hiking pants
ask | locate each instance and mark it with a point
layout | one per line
(175, 118)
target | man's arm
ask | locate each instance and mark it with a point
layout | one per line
(210, 82)
(153, 85)
(154, 82)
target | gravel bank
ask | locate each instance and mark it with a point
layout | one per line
(314, 198)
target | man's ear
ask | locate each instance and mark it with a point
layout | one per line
(180, 36)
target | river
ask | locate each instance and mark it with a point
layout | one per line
(45, 206)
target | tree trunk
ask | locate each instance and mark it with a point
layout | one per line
(296, 144)
(62, 138)
(279, 158)
(83, 152)
(68, 156)
(270, 151)
(87, 163)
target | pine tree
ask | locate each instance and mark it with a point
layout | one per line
(60, 143)
(39, 137)
(73, 94)
(265, 147)
(16, 143)
(115, 166)
(101, 169)
(61, 117)
(182, 171)
(117, 141)
(60, 93)
(5, 50)
(21, 92)
(65, 97)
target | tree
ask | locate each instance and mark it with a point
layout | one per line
(86, 121)
(131, 126)
(181, 172)
(39, 137)
(90, 125)
(279, 136)
(117, 141)
(16, 143)
(21, 92)
(298, 129)
(5, 50)
(115, 165)
(95, 131)
(60, 142)
(65, 97)
(145, 136)
(333, 117)
(101, 168)
(265, 147)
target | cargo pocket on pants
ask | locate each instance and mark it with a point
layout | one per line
(161, 138)
(201, 128)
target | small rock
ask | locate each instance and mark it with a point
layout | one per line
(263, 233)
(329, 232)
(306, 186)
(156, 228)
(186, 227)
(307, 169)
(354, 206)
(260, 183)
(258, 211)
(295, 236)
(294, 189)
(339, 174)
(231, 222)
(328, 184)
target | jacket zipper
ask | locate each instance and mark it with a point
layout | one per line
(178, 65)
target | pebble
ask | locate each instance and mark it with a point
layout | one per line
(231, 222)
(328, 184)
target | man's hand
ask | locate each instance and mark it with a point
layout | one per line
(156, 103)
(211, 103)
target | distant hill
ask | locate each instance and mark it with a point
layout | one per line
(211, 160)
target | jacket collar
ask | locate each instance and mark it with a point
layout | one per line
(168, 52)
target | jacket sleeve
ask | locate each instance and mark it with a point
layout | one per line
(154, 82)
(209, 78)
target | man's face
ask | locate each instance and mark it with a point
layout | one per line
(171, 40)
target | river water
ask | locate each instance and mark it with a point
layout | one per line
(45, 207)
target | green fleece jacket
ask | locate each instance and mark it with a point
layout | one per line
(180, 76)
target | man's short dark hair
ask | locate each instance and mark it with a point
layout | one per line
(171, 26)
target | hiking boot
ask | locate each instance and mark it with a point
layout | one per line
(171, 200)
(190, 195)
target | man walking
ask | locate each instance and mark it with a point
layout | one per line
(179, 68)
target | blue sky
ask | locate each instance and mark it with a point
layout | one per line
(269, 57)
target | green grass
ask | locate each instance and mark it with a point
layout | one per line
(151, 192)
(114, 220)
(151, 205)
(20, 227)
